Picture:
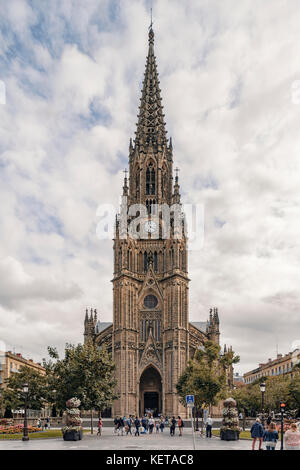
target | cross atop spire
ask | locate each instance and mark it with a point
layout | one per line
(151, 24)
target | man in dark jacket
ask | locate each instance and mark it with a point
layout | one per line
(257, 432)
(172, 427)
(137, 424)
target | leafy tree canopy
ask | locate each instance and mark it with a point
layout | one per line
(13, 395)
(86, 372)
(206, 375)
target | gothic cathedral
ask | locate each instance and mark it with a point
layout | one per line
(151, 338)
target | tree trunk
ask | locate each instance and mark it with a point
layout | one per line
(92, 428)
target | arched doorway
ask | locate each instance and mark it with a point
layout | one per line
(150, 391)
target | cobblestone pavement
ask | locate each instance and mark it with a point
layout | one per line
(109, 441)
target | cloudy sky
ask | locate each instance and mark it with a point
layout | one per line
(72, 71)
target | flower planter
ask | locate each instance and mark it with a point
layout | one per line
(229, 435)
(72, 435)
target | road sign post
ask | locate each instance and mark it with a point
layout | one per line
(190, 404)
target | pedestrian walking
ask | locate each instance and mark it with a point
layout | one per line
(116, 423)
(209, 424)
(173, 426)
(137, 424)
(257, 432)
(292, 438)
(270, 436)
(121, 427)
(180, 425)
(269, 420)
(129, 424)
(100, 425)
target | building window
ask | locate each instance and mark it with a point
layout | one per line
(155, 262)
(150, 301)
(150, 179)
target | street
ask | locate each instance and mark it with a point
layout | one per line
(109, 441)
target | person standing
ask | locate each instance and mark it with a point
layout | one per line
(116, 423)
(162, 424)
(257, 432)
(270, 436)
(129, 424)
(269, 420)
(100, 425)
(157, 426)
(292, 438)
(180, 425)
(151, 424)
(137, 424)
(173, 426)
(144, 423)
(209, 424)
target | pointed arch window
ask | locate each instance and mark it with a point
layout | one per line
(145, 261)
(150, 179)
(137, 182)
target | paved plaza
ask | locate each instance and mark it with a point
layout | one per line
(109, 441)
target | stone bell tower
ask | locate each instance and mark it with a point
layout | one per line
(150, 331)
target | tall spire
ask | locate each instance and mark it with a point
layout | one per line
(151, 126)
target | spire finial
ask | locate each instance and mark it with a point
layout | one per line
(151, 24)
(177, 170)
(151, 33)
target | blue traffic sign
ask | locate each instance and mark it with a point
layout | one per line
(190, 400)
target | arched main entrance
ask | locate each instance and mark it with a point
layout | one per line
(150, 391)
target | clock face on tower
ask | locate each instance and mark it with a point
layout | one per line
(150, 226)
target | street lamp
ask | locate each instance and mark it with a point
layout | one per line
(263, 389)
(25, 429)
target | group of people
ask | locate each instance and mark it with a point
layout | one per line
(270, 436)
(136, 425)
(43, 424)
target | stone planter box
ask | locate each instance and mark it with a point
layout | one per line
(72, 436)
(229, 435)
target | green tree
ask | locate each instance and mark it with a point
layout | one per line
(294, 392)
(13, 395)
(205, 375)
(279, 388)
(86, 372)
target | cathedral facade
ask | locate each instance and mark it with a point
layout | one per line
(151, 338)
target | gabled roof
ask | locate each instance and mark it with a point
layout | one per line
(200, 325)
(101, 326)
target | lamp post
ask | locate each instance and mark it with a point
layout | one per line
(263, 389)
(25, 429)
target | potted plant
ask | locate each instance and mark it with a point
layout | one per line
(72, 431)
(230, 430)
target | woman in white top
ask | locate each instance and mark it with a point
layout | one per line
(292, 438)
